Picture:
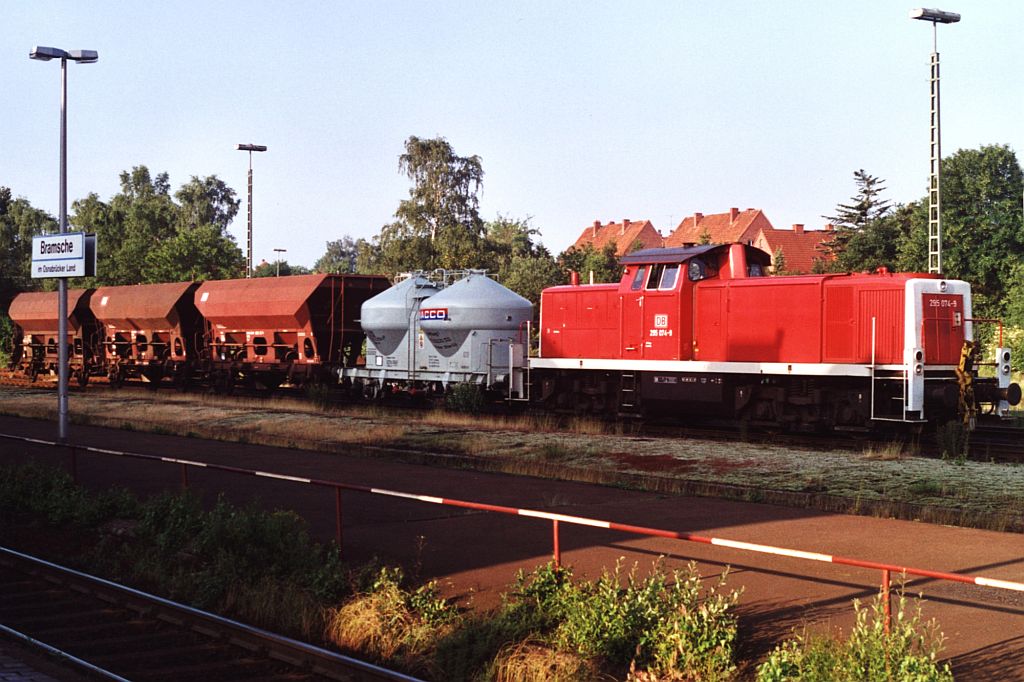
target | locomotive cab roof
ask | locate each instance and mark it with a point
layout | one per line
(682, 254)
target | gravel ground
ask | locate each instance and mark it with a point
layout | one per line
(888, 483)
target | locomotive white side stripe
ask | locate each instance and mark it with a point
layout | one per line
(768, 549)
(766, 368)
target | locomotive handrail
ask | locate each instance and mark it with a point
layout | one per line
(886, 568)
(989, 320)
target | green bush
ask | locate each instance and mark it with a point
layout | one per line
(664, 623)
(50, 493)
(466, 398)
(907, 653)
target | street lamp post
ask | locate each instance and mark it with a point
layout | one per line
(45, 54)
(936, 16)
(279, 251)
(250, 148)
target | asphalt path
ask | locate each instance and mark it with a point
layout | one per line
(474, 555)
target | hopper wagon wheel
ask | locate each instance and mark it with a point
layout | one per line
(115, 377)
(81, 377)
(33, 372)
(180, 379)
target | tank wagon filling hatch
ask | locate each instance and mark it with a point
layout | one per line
(433, 330)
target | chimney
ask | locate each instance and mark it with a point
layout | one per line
(829, 227)
(798, 228)
(697, 217)
(625, 225)
(594, 229)
(733, 212)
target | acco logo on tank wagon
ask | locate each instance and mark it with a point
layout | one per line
(434, 314)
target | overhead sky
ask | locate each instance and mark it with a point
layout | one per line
(580, 111)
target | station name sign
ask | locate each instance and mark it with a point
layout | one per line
(71, 254)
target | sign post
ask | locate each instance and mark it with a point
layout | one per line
(63, 255)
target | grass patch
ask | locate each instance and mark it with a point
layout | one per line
(907, 653)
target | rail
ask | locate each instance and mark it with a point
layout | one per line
(301, 655)
(886, 569)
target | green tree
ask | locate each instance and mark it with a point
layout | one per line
(143, 235)
(206, 201)
(604, 263)
(982, 225)
(439, 225)
(19, 222)
(202, 253)
(779, 262)
(340, 257)
(865, 208)
(879, 242)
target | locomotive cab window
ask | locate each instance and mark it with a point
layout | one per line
(638, 278)
(697, 270)
(662, 277)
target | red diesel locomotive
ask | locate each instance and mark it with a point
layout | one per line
(701, 331)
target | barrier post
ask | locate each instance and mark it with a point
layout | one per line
(337, 516)
(184, 476)
(558, 550)
(885, 596)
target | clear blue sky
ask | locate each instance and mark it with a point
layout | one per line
(579, 111)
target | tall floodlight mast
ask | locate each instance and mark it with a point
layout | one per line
(936, 16)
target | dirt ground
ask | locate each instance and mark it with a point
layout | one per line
(884, 482)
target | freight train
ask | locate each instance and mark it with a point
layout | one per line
(692, 333)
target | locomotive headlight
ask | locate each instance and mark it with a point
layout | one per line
(1006, 355)
(942, 286)
(919, 356)
(918, 369)
(1006, 369)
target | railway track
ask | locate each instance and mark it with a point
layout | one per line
(118, 633)
(989, 442)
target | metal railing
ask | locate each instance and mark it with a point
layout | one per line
(886, 569)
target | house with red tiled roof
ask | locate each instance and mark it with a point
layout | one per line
(626, 235)
(720, 228)
(800, 248)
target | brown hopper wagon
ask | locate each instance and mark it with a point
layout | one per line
(150, 331)
(274, 330)
(35, 314)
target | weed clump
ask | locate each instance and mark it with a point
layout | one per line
(467, 398)
(391, 623)
(551, 627)
(907, 653)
